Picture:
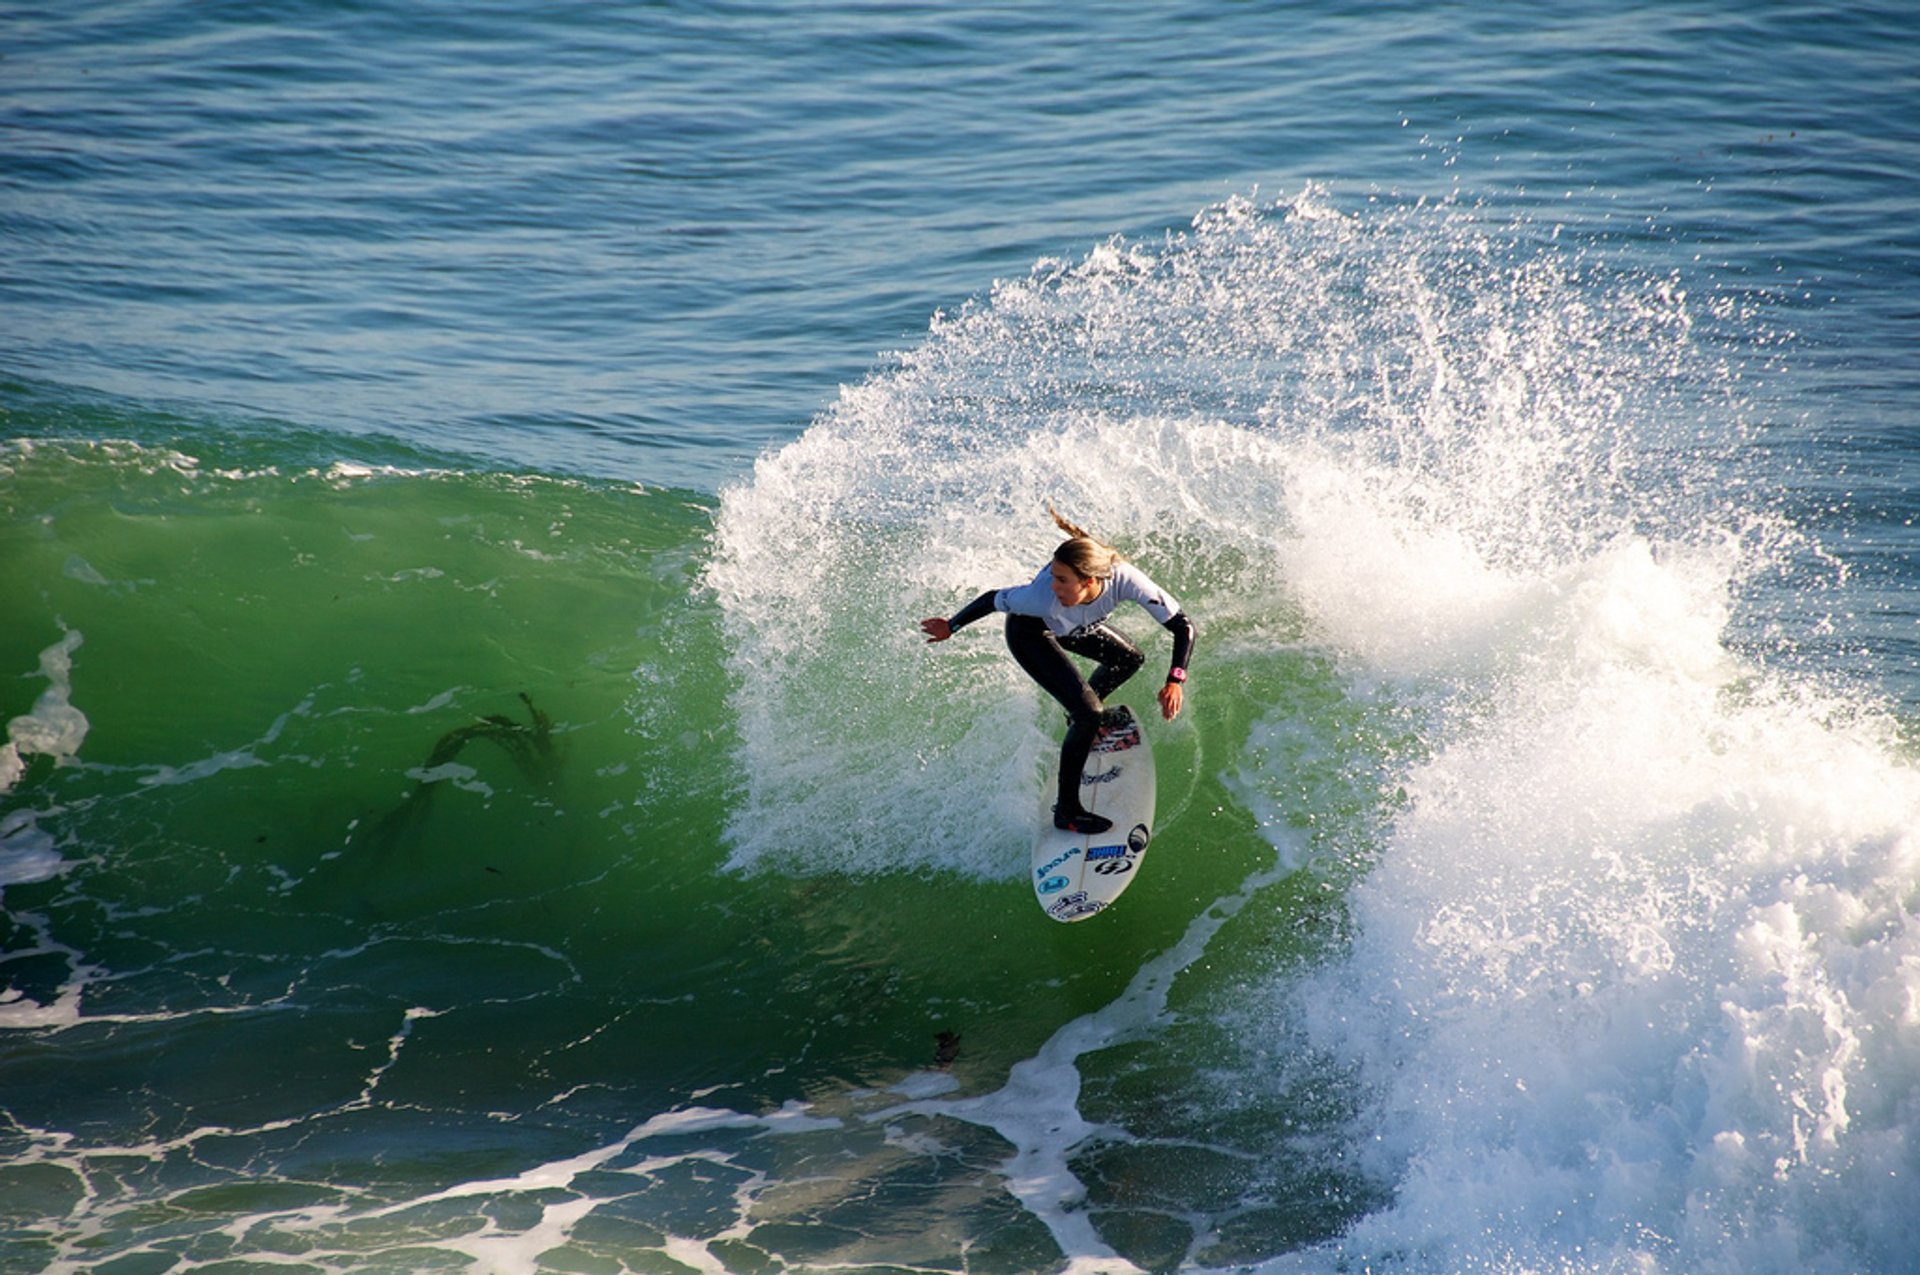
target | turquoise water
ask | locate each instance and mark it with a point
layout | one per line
(474, 796)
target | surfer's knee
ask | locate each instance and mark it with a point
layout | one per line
(1114, 673)
(1087, 715)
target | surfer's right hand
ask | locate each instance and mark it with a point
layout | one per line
(937, 629)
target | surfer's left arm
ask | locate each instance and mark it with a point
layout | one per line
(1173, 694)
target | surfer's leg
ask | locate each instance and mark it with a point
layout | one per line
(1040, 654)
(1074, 749)
(1118, 658)
(1045, 661)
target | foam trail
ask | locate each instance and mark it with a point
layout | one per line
(54, 727)
(27, 850)
(1037, 1109)
(355, 1231)
(21, 1011)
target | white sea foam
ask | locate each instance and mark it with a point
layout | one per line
(27, 850)
(864, 1135)
(1633, 959)
(242, 758)
(525, 1215)
(1209, 404)
(54, 727)
(1037, 1110)
(1632, 978)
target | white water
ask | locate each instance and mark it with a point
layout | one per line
(1634, 974)
(53, 728)
(1635, 979)
(1187, 400)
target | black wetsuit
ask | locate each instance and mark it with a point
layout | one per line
(1043, 654)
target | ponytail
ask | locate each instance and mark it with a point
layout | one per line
(1083, 553)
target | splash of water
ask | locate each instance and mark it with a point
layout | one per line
(1274, 377)
(1631, 974)
(1627, 977)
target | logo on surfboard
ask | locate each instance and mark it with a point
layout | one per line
(1057, 860)
(1073, 905)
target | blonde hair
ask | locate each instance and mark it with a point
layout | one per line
(1083, 554)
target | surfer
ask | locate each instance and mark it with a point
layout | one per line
(1062, 609)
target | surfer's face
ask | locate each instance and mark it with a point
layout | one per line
(1073, 589)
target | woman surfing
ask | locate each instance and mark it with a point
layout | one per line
(1062, 609)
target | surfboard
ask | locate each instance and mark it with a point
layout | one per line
(1076, 876)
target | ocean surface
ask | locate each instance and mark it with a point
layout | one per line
(473, 796)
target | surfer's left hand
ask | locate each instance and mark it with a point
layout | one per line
(1170, 700)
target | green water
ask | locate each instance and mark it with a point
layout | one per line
(394, 859)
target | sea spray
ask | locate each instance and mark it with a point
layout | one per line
(1200, 402)
(1467, 464)
(1629, 971)
(1620, 959)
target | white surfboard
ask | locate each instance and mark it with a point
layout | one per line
(1074, 875)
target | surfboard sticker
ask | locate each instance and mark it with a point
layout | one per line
(1075, 876)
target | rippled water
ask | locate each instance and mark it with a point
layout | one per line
(473, 795)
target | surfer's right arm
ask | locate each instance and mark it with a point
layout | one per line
(938, 629)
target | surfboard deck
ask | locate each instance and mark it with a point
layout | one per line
(1075, 876)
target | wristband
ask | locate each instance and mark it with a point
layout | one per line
(1177, 675)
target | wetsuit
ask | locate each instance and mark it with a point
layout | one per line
(1040, 632)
